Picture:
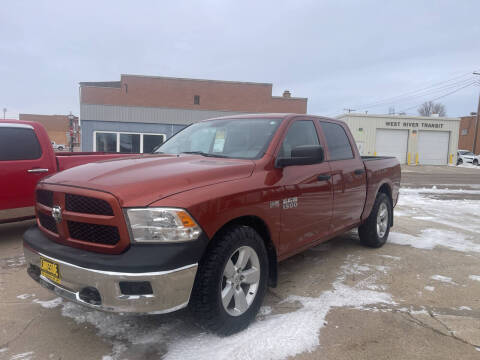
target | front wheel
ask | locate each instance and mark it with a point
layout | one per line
(231, 281)
(374, 231)
(475, 162)
(459, 162)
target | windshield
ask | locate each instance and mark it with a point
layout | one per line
(466, 153)
(231, 138)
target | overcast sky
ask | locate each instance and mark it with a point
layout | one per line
(339, 54)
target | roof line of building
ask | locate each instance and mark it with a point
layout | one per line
(202, 80)
(398, 116)
(290, 97)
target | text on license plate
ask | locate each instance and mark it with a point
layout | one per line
(50, 270)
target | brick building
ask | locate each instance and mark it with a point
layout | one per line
(467, 133)
(59, 127)
(138, 112)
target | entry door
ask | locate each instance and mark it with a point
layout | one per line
(433, 147)
(306, 204)
(392, 142)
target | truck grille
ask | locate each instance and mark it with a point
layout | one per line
(87, 205)
(91, 220)
(100, 234)
(45, 197)
(47, 222)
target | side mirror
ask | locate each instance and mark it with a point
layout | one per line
(303, 155)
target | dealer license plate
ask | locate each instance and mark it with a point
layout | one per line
(50, 269)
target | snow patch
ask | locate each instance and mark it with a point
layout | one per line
(25, 356)
(474, 277)
(50, 304)
(444, 279)
(431, 238)
(25, 296)
(3, 350)
(464, 308)
(293, 333)
(429, 288)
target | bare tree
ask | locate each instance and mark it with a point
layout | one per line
(428, 108)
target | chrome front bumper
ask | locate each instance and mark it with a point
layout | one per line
(170, 289)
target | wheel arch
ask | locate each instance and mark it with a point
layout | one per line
(263, 230)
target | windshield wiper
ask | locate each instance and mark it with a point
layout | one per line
(204, 154)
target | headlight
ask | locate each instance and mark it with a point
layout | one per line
(153, 225)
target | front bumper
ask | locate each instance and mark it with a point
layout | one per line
(170, 289)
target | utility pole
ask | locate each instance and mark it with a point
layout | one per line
(4, 112)
(475, 135)
(349, 110)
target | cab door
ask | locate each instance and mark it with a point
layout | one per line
(348, 177)
(23, 164)
(306, 203)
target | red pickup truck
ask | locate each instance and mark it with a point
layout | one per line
(205, 221)
(26, 156)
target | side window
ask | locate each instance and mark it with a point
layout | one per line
(337, 141)
(301, 132)
(18, 144)
(106, 142)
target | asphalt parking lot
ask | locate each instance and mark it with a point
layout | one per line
(418, 297)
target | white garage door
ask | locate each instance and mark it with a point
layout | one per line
(390, 142)
(433, 147)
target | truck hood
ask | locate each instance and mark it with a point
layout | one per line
(142, 180)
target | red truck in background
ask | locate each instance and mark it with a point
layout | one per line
(26, 156)
(204, 222)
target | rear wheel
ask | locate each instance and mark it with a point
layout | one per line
(374, 231)
(231, 281)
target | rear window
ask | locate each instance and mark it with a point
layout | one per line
(337, 141)
(18, 144)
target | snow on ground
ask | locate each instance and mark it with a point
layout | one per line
(444, 279)
(429, 288)
(50, 304)
(23, 356)
(290, 333)
(461, 214)
(431, 238)
(474, 277)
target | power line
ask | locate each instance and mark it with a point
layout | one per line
(442, 96)
(424, 93)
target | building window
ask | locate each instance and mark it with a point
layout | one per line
(464, 131)
(196, 100)
(126, 142)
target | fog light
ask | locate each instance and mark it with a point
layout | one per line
(136, 288)
(90, 295)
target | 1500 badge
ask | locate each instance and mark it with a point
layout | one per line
(290, 203)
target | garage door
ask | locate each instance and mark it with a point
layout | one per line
(433, 147)
(390, 142)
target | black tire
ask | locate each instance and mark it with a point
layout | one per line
(459, 162)
(475, 162)
(206, 300)
(368, 233)
(60, 148)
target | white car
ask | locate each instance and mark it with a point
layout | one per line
(465, 156)
(57, 147)
(476, 160)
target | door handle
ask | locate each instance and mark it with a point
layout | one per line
(359, 171)
(37, 170)
(324, 177)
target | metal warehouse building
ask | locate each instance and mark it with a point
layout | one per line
(138, 113)
(412, 139)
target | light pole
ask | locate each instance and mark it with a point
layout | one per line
(475, 135)
(4, 112)
(71, 129)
